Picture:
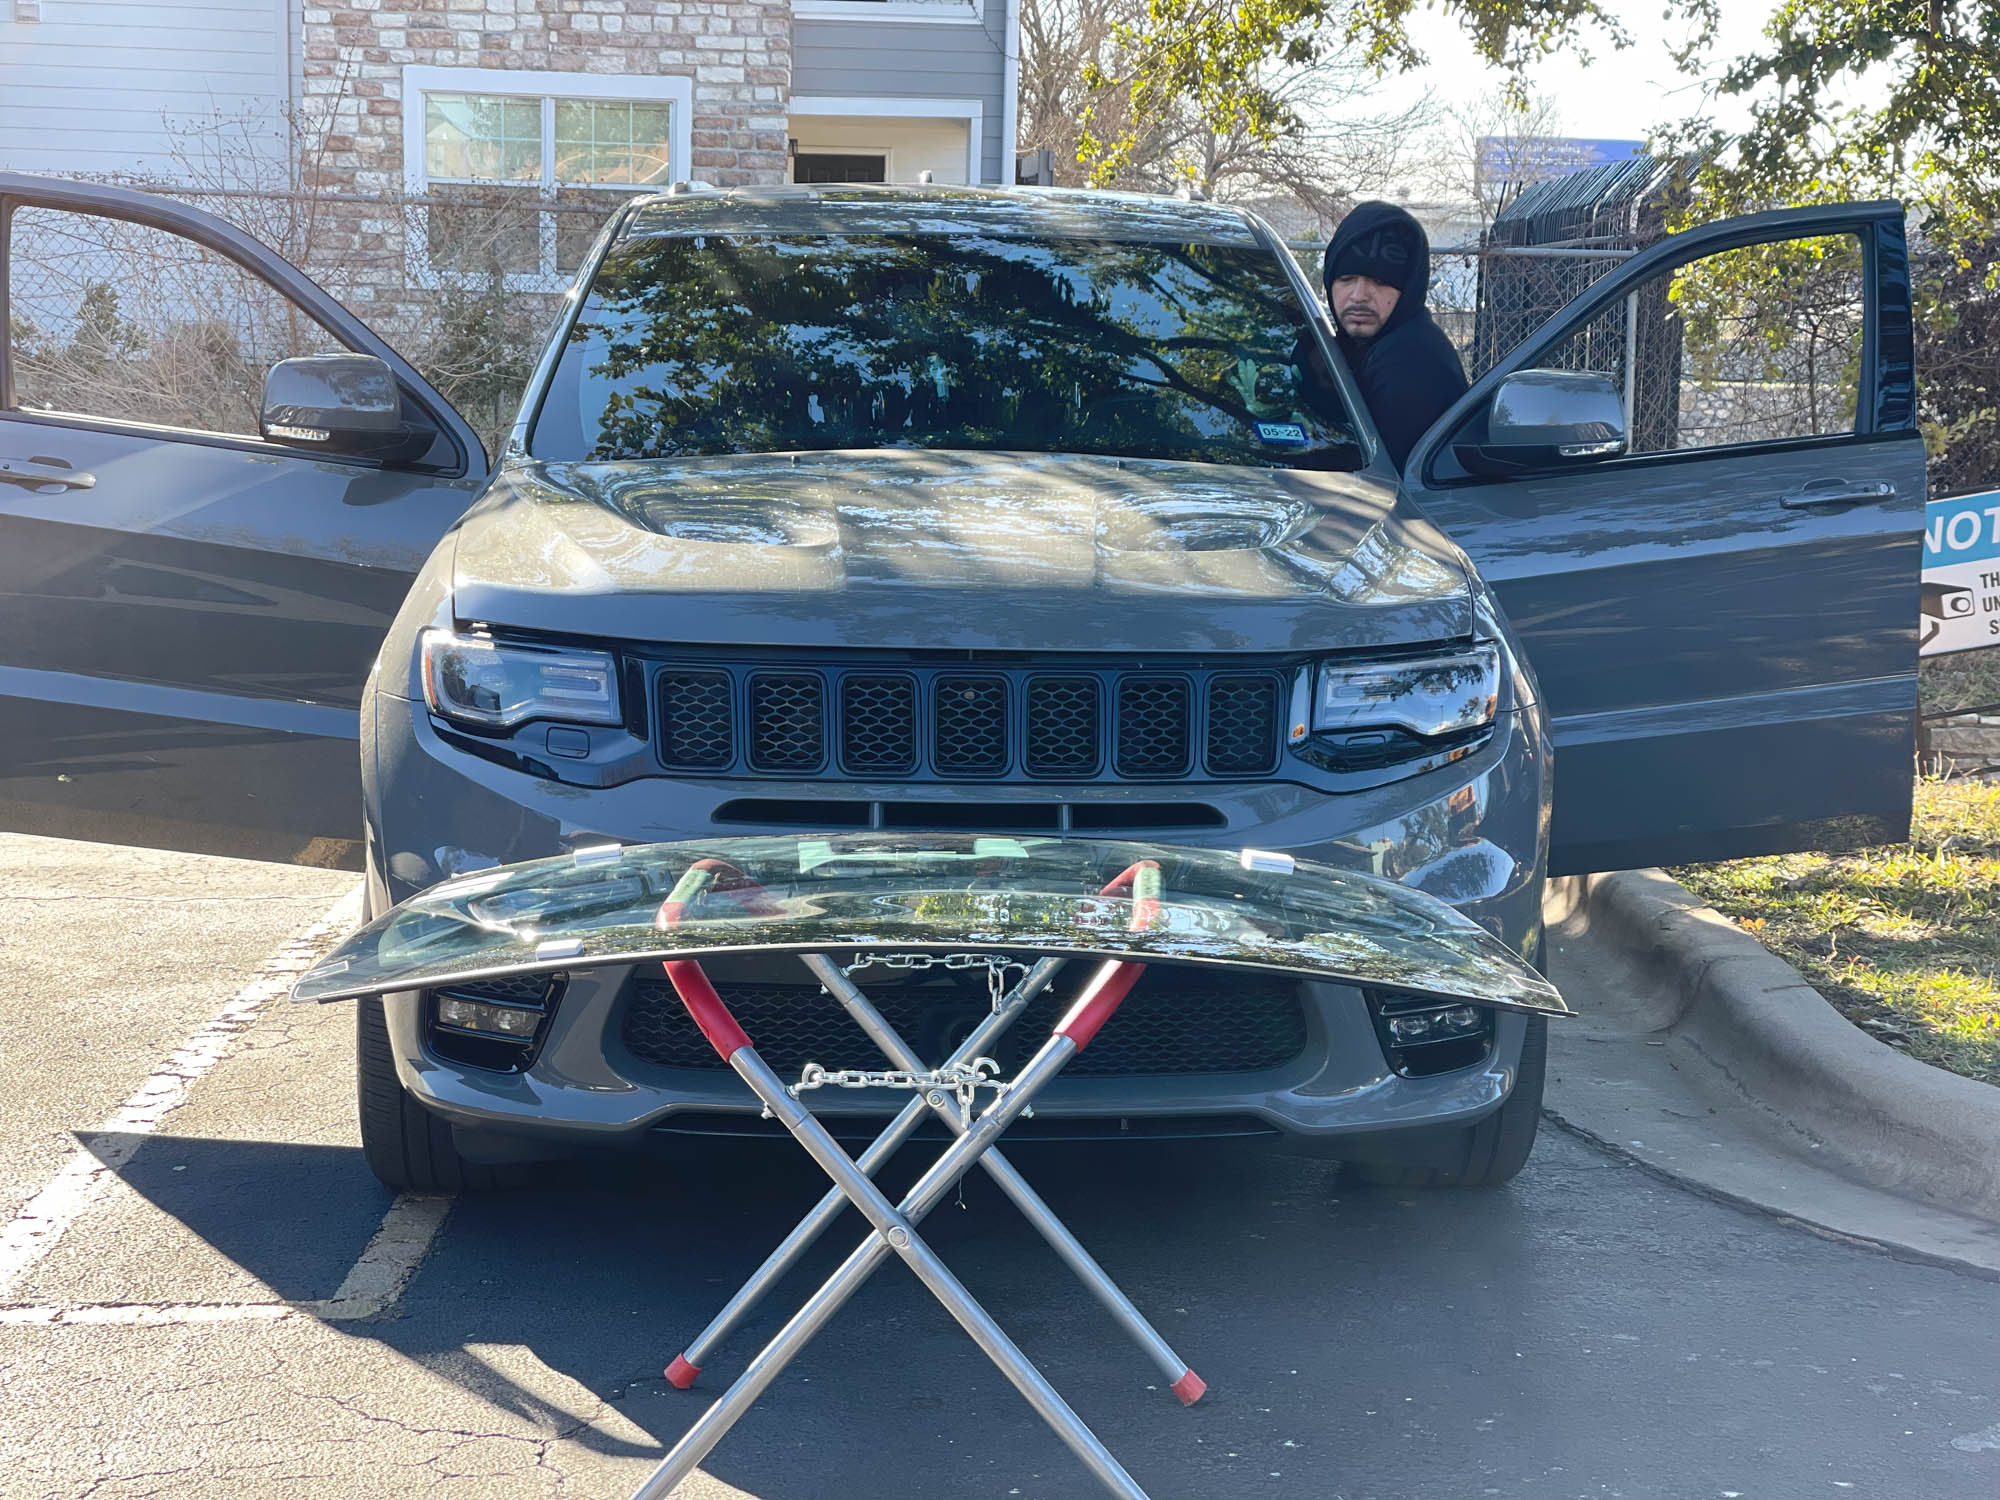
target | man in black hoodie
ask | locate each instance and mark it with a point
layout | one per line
(1376, 272)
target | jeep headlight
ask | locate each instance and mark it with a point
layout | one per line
(494, 685)
(1442, 695)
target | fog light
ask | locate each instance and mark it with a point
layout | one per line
(1433, 1025)
(488, 1020)
(1410, 1028)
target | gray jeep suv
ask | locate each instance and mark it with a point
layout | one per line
(1008, 514)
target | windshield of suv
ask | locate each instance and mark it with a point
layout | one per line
(928, 891)
(760, 343)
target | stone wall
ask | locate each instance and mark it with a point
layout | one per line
(738, 52)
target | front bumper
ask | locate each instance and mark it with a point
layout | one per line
(585, 1091)
(1473, 834)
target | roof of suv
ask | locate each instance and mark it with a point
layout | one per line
(846, 208)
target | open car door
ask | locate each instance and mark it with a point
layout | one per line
(189, 600)
(1698, 491)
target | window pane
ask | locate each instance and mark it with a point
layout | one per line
(652, 137)
(1754, 345)
(787, 342)
(572, 122)
(610, 164)
(127, 323)
(521, 161)
(483, 136)
(488, 231)
(524, 120)
(595, 138)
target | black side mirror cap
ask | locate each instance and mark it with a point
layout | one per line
(347, 404)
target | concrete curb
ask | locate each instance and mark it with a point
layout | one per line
(1762, 1030)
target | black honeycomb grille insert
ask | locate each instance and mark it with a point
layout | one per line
(1155, 728)
(878, 723)
(697, 729)
(1173, 1023)
(913, 722)
(1062, 737)
(970, 718)
(787, 721)
(1242, 736)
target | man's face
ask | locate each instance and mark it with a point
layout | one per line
(1361, 305)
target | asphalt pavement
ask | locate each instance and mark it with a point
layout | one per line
(204, 1293)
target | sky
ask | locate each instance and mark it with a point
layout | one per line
(1618, 95)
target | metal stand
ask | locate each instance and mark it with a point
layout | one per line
(950, 1091)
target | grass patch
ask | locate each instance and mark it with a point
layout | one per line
(1904, 939)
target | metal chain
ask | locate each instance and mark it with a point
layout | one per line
(962, 1079)
(995, 966)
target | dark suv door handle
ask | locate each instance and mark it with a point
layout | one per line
(1836, 492)
(27, 471)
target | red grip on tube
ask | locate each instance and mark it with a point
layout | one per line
(1142, 883)
(1103, 995)
(681, 1374)
(719, 876)
(691, 983)
(1122, 881)
(1190, 1388)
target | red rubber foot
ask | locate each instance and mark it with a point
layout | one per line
(681, 1375)
(1190, 1388)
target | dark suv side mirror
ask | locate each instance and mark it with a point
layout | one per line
(1548, 419)
(339, 403)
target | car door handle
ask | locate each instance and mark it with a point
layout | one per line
(1837, 492)
(26, 471)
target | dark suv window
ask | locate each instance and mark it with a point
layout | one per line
(759, 343)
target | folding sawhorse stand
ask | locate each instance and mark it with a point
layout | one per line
(948, 1091)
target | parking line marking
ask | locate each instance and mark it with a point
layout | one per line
(89, 1174)
(372, 1284)
(376, 1280)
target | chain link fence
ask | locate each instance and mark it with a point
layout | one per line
(122, 321)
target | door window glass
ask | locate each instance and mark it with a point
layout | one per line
(1755, 345)
(126, 323)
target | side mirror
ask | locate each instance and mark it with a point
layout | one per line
(1548, 419)
(339, 403)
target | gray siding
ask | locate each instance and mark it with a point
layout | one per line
(909, 60)
(102, 86)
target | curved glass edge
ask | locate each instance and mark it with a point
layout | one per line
(930, 893)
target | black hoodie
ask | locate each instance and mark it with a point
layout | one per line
(1409, 373)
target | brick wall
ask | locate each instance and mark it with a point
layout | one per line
(738, 52)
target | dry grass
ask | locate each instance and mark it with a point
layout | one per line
(1904, 939)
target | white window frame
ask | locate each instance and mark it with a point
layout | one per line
(971, 111)
(420, 80)
(921, 12)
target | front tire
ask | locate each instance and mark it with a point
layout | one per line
(1494, 1150)
(406, 1146)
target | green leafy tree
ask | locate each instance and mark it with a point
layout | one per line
(1883, 98)
(1848, 99)
(1223, 61)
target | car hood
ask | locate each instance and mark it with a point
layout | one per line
(957, 550)
(924, 893)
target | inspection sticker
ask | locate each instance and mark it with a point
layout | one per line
(1281, 432)
(1961, 588)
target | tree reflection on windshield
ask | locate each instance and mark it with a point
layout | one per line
(713, 344)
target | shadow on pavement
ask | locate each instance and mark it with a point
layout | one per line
(296, 1217)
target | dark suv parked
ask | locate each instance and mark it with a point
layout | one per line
(1002, 513)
